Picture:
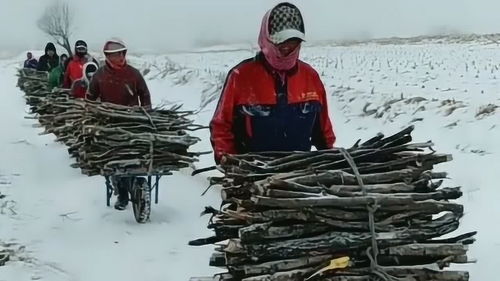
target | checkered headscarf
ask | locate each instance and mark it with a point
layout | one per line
(285, 22)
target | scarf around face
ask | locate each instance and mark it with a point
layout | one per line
(271, 52)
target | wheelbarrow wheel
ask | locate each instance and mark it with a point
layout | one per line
(141, 200)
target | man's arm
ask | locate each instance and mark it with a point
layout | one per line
(42, 64)
(143, 92)
(323, 136)
(33, 63)
(94, 92)
(221, 125)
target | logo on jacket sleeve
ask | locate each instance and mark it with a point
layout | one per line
(309, 96)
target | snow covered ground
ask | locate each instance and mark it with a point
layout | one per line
(56, 219)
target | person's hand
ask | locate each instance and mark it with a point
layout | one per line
(223, 160)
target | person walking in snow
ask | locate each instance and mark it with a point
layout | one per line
(56, 76)
(49, 60)
(73, 75)
(274, 101)
(118, 82)
(30, 61)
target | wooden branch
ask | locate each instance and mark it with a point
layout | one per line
(399, 187)
(259, 232)
(418, 274)
(277, 266)
(403, 202)
(440, 250)
(329, 178)
(293, 275)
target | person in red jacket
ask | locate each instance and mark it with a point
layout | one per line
(119, 83)
(274, 101)
(73, 77)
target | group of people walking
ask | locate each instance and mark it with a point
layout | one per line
(64, 72)
(270, 102)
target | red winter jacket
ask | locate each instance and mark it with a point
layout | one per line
(257, 112)
(124, 86)
(73, 77)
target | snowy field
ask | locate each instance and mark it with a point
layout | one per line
(56, 222)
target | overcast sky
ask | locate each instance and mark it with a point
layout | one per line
(162, 25)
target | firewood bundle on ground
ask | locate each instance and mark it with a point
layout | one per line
(376, 211)
(109, 139)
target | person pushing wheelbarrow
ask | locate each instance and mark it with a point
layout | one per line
(119, 83)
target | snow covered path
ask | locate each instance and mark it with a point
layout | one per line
(58, 221)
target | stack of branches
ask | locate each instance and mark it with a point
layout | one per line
(378, 207)
(109, 139)
(35, 85)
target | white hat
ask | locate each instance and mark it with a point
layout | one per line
(114, 45)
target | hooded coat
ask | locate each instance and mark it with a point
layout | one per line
(46, 62)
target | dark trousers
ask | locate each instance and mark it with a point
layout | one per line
(123, 185)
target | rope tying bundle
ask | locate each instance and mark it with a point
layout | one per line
(372, 252)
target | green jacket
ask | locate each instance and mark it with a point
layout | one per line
(56, 77)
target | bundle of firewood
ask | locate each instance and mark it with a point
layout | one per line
(376, 210)
(32, 79)
(35, 85)
(110, 139)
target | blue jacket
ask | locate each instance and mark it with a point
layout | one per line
(31, 63)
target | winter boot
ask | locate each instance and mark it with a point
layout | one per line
(123, 195)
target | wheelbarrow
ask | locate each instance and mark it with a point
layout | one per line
(140, 195)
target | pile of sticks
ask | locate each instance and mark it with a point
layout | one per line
(109, 139)
(35, 85)
(376, 210)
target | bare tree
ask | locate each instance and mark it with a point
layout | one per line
(57, 22)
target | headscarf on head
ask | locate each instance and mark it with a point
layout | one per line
(281, 23)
